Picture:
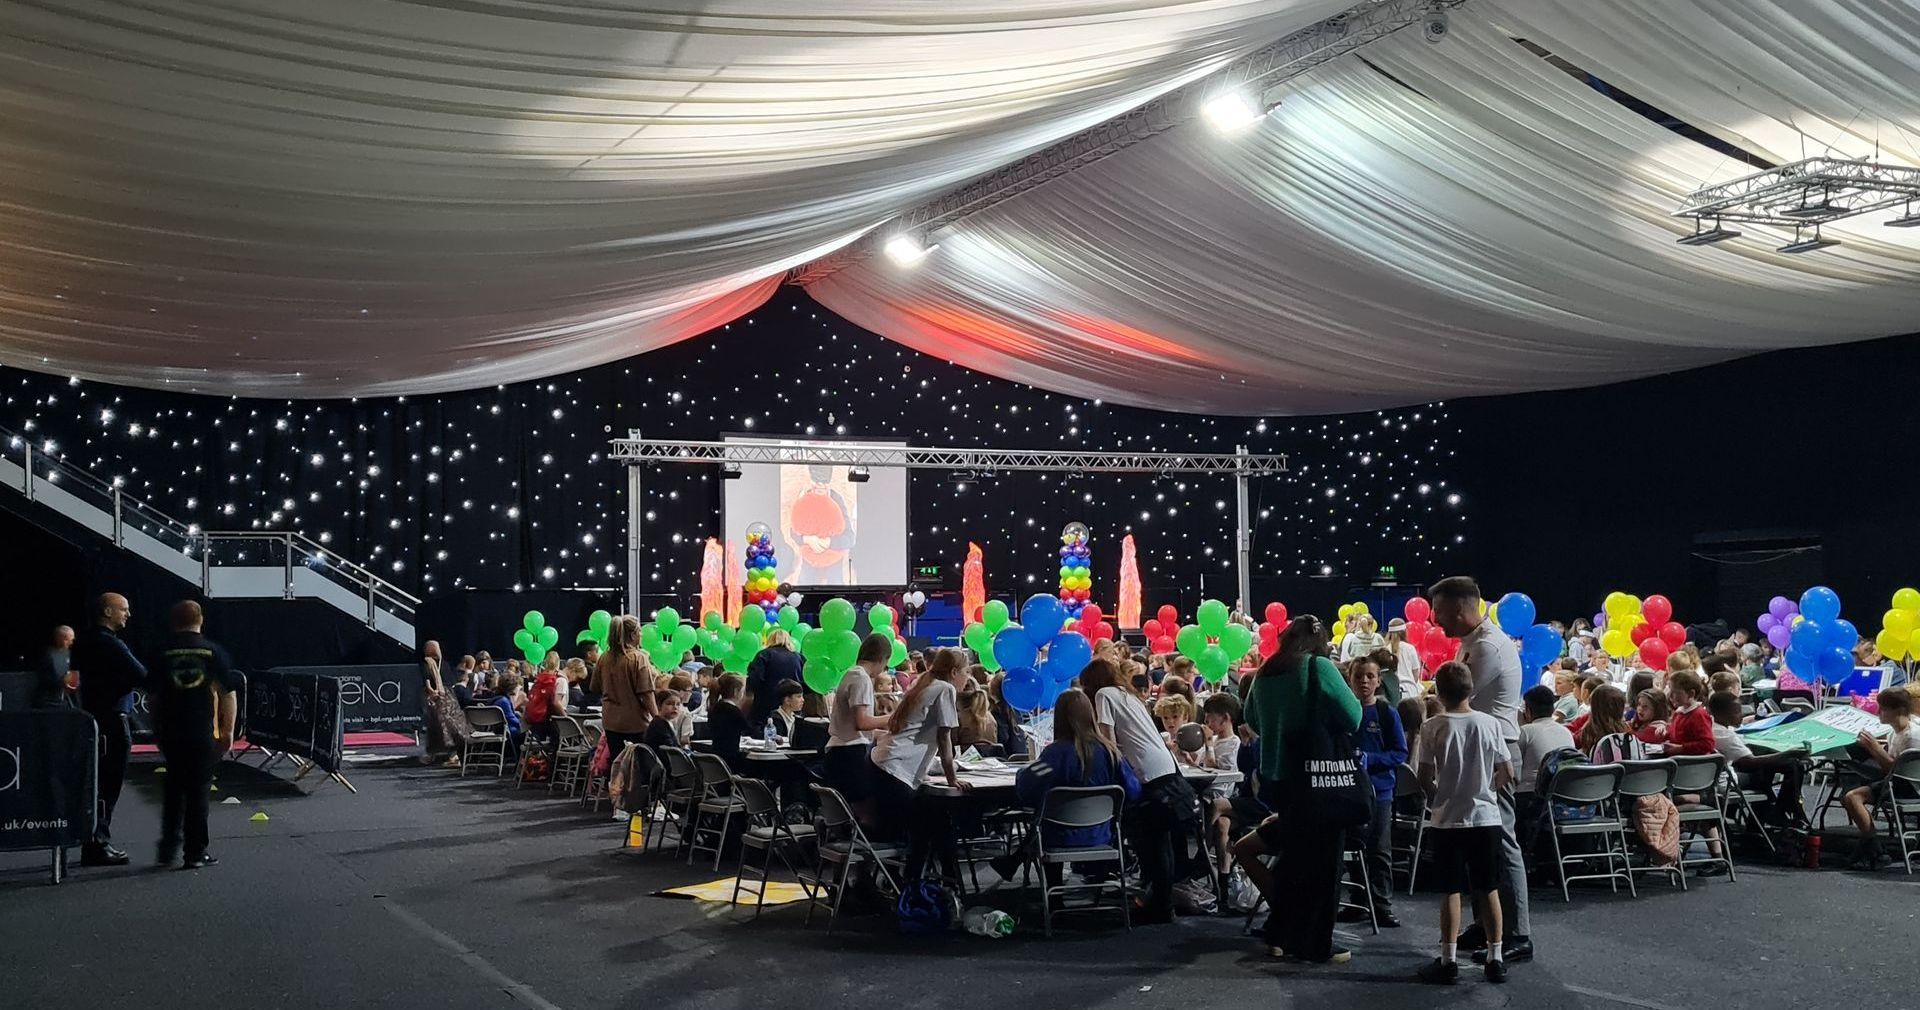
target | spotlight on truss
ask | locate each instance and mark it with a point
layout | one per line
(1911, 219)
(905, 250)
(1716, 234)
(1807, 245)
(859, 474)
(1233, 111)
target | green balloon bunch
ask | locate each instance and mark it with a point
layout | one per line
(732, 648)
(789, 622)
(880, 619)
(832, 649)
(1214, 643)
(667, 641)
(979, 635)
(535, 639)
(598, 624)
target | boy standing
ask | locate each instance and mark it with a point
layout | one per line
(1463, 765)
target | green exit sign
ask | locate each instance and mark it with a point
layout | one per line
(1387, 572)
(927, 571)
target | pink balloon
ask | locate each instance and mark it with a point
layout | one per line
(1103, 632)
(1091, 614)
(1654, 653)
(1418, 611)
(1277, 614)
(1162, 645)
(1673, 635)
(1169, 617)
(1656, 609)
(1151, 629)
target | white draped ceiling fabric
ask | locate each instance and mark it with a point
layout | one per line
(1478, 222)
(360, 197)
(363, 197)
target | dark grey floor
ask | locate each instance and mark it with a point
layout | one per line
(426, 891)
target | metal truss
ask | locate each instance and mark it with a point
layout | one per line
(1263, 69)
(1805, 193)
(633, 449)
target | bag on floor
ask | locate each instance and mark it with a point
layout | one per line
(926, 907)
(620, 778)
(602, 759)
(537, 767)
(1242, 896)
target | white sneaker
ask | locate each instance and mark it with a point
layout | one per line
(622, 816)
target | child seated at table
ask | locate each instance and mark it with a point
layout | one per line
(1758, 771)
(1221, 717)
(792, 697)
(1896, 713)
(1076, 757)
(1566, 699)
(1690, 731)
(977, 724)
(1173, 711)
(660, 732)
(1650, 712)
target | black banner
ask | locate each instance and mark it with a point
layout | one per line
(296, 713)
(48, 762)
(376, 699)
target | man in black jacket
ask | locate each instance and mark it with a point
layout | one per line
(108, 675)
(192, 686)
(770, 666)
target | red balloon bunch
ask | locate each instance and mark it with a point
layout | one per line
(1162, 629)
(1270, 629)
(1092, 624)
(1426, 637)
(1660, 635)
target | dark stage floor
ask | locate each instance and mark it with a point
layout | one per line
(427, 891)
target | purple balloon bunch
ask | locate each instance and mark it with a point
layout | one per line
(1777, 623)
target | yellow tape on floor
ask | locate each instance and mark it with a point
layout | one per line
(779, 892)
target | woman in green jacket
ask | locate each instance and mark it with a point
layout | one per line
(1281, 708)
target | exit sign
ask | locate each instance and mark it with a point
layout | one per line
(927, 571)
(1387, 572)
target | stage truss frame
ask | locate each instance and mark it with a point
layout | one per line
(638, 452)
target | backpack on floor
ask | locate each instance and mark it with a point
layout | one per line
(926, 907)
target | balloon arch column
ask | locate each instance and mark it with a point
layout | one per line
(636, 452)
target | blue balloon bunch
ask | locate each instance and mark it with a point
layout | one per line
(1539, 645)
(1821, 645)
(1034, 681)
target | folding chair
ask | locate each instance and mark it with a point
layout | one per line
(486, 739)
(650, 780)
(1406, 786)
(1646, 778)
(842, 843)
(1703, 774)
(595, 788)
(1356, 855)
(1068, 808)
(572, 750)
(1739, 806)
(682, 792)
(717, 799)
(766, 831)
(1904, 777)
(1592, 786)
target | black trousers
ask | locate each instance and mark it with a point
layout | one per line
(116, 745)
(1377, 844)
(1307, 879)
(184, 795)
(1156, 832)
(924, 821)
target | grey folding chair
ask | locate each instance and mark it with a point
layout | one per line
(1901, 801)
(683, 791)
(1068, 808)
(486, 739)
(717, 800)
(1355, 855)
(571, 752)
(1647, 778)
(1590, 788)
(768, 832)
(1703, 775)
(842, 844)
(1406, 787)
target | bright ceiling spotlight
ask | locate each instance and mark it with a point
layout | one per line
(1232, 112)
(905, 250)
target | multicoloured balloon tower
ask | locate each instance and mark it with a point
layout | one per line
(763, 583)
(1076, 573)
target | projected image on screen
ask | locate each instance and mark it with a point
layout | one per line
(828, 530)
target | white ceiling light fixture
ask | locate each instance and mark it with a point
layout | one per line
(905, 250)
(1233, 111)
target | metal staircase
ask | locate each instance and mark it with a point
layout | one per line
(256, 564)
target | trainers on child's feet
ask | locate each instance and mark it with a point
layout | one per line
(1438, 972)
(1496, 971)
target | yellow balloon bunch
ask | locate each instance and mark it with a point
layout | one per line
(1623, 615)
(1348, 611)
(1899, 635)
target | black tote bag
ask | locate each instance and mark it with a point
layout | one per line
(1330, 786)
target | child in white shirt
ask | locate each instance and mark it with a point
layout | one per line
(1896, 712)
(1464, 762)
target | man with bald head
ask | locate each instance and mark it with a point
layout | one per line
(192, 687)
(108, 675)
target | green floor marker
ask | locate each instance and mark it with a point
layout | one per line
(259, 818)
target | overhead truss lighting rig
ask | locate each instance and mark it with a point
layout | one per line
(1803, 196)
